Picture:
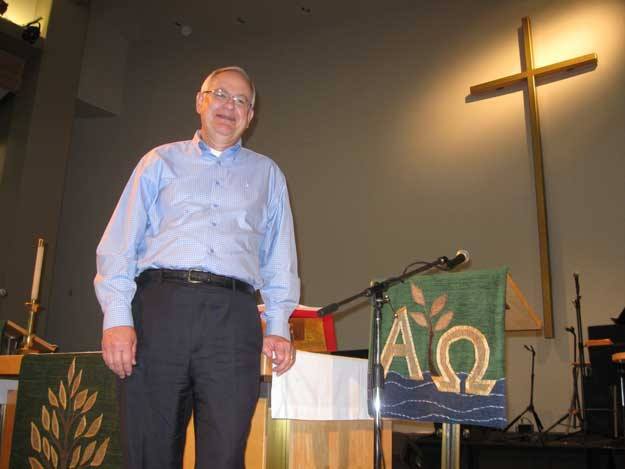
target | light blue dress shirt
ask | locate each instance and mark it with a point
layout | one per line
(185, 208)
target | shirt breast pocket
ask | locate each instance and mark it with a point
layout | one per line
(249, 201)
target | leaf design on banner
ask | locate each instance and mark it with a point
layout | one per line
(94, 428)
(100, 453)
(54, 457)
(46, 448)
(55, 425)
(80, 399)
(45, 418)
(62, 395)
(417, 294)
(444, 321)
(420, 319)
(71, 371)
(438, 305)
(34, 464)
(76, 384)
(35, 437)
(52, 398)
(81, 427)
(88, 452)
(90, 402)
(75, 458)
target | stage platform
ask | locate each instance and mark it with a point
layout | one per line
(497, 450)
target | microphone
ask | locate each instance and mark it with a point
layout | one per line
(329, 309)
(462, 256)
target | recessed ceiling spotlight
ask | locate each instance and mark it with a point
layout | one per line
(184, 29)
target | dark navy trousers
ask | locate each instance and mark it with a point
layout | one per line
(198, 352)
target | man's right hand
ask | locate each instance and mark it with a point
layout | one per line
(119, 346)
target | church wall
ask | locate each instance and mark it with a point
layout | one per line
(103, 69)
(388, 163)
(38, 142)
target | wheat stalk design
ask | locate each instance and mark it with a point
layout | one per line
(64, 437)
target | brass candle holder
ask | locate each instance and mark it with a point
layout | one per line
(33, 305)
(27, 348)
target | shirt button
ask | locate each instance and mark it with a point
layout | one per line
(214, 223)
(217, 183)
(215, 205)
(212, 251)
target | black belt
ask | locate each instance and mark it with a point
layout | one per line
(199, 276)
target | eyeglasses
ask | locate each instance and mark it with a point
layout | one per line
(221, 95)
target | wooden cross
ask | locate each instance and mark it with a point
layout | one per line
(528, 75)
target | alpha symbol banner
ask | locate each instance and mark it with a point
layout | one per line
(443, 349)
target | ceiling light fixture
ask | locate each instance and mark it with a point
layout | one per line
(184, 29)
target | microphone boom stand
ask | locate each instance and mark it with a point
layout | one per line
(530, 407)
(573, 416)
(584, 370)
(377, 293)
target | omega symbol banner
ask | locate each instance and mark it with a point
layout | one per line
(442, 340)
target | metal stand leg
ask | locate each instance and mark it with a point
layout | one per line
(619, 360)
(450, 446)
(622, 396)
(574, 415)
(530, 407)
(377, 377)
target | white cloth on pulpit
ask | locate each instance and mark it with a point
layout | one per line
(321, 387)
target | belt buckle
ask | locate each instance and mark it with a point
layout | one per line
(190, 280)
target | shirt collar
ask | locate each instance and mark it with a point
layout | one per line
(229, 153)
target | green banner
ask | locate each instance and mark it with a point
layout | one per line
(443, 348)
(67, 414)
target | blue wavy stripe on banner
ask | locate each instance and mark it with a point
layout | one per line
(420, 400)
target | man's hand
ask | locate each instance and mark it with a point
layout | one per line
(119, 346)
(280, 351)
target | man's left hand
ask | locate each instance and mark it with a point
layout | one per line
(280, 351)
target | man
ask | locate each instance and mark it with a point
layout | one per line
(200, 225)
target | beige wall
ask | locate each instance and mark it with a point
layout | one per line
(388, 163)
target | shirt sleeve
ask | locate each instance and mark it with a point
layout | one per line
(278, 264)
(116, 254)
